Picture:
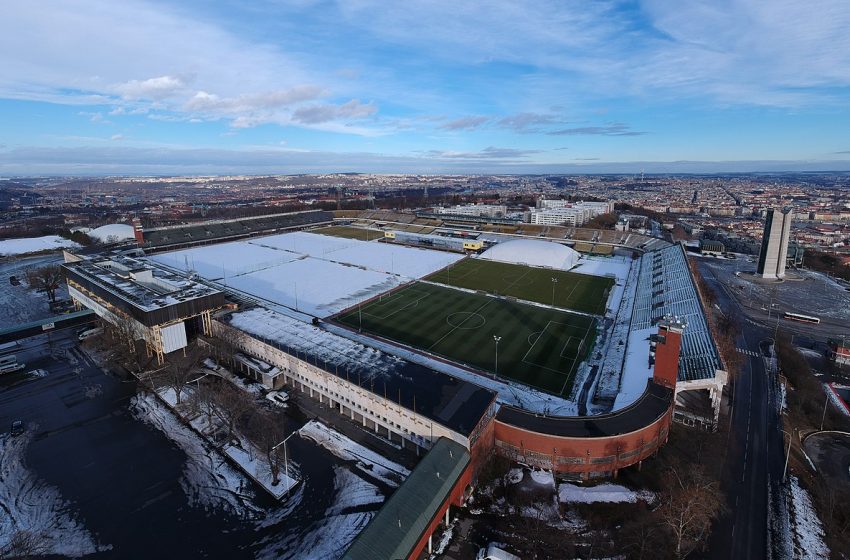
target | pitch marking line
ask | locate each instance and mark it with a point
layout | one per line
(524, 360)
(472, 314)
(392, 299)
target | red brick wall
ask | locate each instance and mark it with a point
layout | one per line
(667, 357)
(580, 455)
(454, 498)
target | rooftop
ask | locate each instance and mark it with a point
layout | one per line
(395, 530)
(449, 401)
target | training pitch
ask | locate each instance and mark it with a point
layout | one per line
(537, 346)
(570, 290)
(349, 232)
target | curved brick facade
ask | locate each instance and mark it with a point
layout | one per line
(598, 445)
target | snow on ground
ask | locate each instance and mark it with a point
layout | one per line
(611, 493)
(225, 260)
(371, 463)
(353, 491)
(314, 286)
(19, 303)
(34, 244)
(316, 274)
(807, 532)
(637, 370)
(342, 522)
(515, 475)
(208, 480)
(613, 348)
(543, 478)
(29, 504)
(809, 352)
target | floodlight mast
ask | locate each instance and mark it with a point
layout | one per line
(497, 339)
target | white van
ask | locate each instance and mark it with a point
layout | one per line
(493, 552)
(88, 333)
(9, 364)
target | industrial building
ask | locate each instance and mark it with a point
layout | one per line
(774, 244)
(149, 304)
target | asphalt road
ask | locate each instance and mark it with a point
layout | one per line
(755, 457)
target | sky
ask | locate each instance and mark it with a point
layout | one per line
(423, 86)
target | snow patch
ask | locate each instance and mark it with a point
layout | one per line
(35, 244)
(28, 504)
(609, 493)
(369, 462)
(807, 531)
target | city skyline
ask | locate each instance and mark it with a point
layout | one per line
(167, 88)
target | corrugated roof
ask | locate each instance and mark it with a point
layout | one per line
(400, 523)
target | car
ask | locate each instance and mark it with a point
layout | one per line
(279, 398)
(88, 333)
(17, 428)
(37, 373)
(493, 552)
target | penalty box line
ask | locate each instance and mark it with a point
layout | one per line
(543, 332)
(413, 303)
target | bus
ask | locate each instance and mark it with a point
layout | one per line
(9, 347)
(801, 318)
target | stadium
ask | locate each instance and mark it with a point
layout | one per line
(562, 349)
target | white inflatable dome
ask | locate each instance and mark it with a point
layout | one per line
(533, 252)
(112, 233)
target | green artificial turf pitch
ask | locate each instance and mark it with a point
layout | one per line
(579, 292)
(540, 347)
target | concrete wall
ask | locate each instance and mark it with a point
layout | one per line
(373, 411)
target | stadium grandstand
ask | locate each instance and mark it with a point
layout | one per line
(188, 235)
(665, 288)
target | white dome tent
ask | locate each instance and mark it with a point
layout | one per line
(533, 252)
(112, 233)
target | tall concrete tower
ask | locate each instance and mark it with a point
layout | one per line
(774, 243)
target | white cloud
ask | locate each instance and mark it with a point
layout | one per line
(318, 114)
(117, 137)
(158, 88)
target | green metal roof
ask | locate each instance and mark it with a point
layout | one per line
(397, 527)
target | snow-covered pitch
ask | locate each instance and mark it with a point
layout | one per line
(9, 247)
(316, 274)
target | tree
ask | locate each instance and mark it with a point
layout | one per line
(232, 405)
(25, 544)
(690, 503)
(227, 342)
(46, 279)
(180, 369)
(267, 432)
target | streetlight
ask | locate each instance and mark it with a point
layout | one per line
(285, 460)
(825, 406)
(497, 339)
(554, 281)
(787, 455)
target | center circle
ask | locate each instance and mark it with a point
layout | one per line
(466, 320)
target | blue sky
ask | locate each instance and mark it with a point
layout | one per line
(423, 86)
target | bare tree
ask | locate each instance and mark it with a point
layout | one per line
(232, 405)
(204, 400)
(267, 432)
(47, 279)
(181, 369)
(227, 342)
(25, 544)
(690, 503)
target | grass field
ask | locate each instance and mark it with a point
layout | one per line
(579, 292)
(539, 347)
(350, 232)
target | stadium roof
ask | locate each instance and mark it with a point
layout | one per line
(533, 252)
(651, 405)
(665, 287)
(400, 523)
(451, 402)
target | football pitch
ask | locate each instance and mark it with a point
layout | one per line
(537, 346)
(569, 290)
(349, 232)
